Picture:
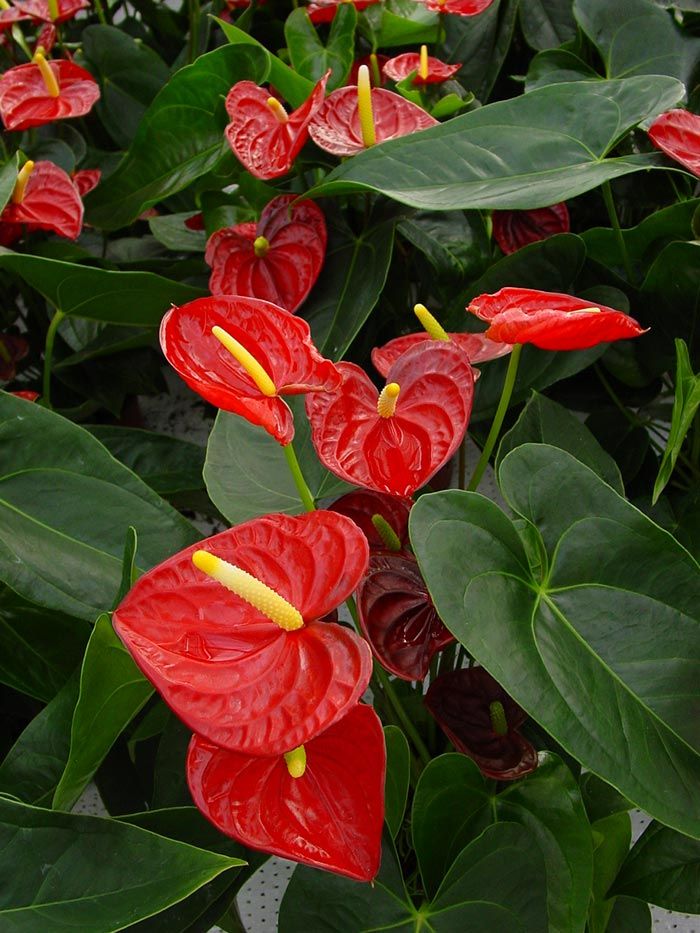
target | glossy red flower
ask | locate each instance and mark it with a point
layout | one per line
(429, 70)
(26, 394)
(278, 341)
(481, 721)
(227, 669)
(363, 505)
(514, 229)
(323, 11)
(457, 7)
(550, 320)
(86, 180)
(329, 817)
(44, 199)
(677, 133)
(263, 136)
(41, 9)
(43, 91)
(397, 442)
(278, 259)
(12, 349)
(375, 70)
(398, 617)
(10, 16)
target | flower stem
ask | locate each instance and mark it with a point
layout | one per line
(508, 385)
(193, 40)
(294, 468)
(614, 220)
(48, 355)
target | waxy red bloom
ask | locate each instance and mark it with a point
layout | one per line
(481, 721)
(429, 70)
(86, 179)
(457, 7)
(476, 347)
(43, 91)
(48, 201)
(263, 136)
(278, 341)
(677, 133)
(323, 11)
(514, 229)
(550, 320)
(362, 505)
(278, 259)
(26, 394)
(10, 16)
(227, 669)
(41, 10)
(397, 442)
(12, 349)
(329, 817)
(398, 617)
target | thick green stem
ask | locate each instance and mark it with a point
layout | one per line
(193, 42)
(294, 468)
(48, 355)
(99, 8)
(614, 220)
(503, 404)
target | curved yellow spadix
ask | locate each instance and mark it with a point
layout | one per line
(423, 67)
(278, 110)
(256, 372)
(430, 324)
(364, 107)
(296, 761)
(21, 184)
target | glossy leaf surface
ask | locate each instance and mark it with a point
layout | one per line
(398, 777)
(331, 817)
(229, 672)
(677, 133)
(596, 612)
(51, 202)
(25, 102)
(547, 24)
(310, 57)
(476, 347)
(663, 868)
(514, 229)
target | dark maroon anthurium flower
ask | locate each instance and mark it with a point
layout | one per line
(12, 350)
(263, 136)
(86, 180)
(229, 631)
(514, 229)
(243, 354)
(458, 7)
(44, 198)
(42, 9)
(398, 617)
(481, 721)
(323, 11)
(429, 70)
(278, 259)
(43, 91)
(382, 518)
(395, 441)
(322, 805)
(550, 320)
(677, 133)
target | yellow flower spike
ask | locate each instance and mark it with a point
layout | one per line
(53, 10)
(52, 86)
(261, 246)
(390, 539)
(386, 403)
(4, 5)
(252, 590)
(430, 324)
(256, 372)
(296, 761)
(278, 110)
(364, 107)
(423, 68)
(21, 183)
(499, 724)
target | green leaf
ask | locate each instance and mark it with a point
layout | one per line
(8, 177)
(70, 872)
(629, 916)
(178, 139)
(663, 868)
(557, 66)
(398, 773)
(65, 506)
(671, 291)
(129, 571)
(481, 43)
(602, 650)
(547, 23)
(600, 799)
(310, 57)
(545, 422)
(112, 691)
(100, 340)
(455, 243)
(685, 406)
(612, 836)
(246, 472)
(523, 153)
(401, 22)
(170, 230)
(132, 298)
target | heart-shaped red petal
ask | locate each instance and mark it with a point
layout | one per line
(331, 817)
(280, 342)
(398, 617)
(458, 7)
(398, 454)
(51, 202)
(677, 133)
(285, 274)
(476, 347)
(39, 9)
(361, 504)
(25, 102)
(514, 229)
(263, 145)
(86, 180)
(11, 16)
(401, 67)
(323, 11)
(230, 673)
(336, 126)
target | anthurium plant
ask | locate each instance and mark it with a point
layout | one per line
(424, 616)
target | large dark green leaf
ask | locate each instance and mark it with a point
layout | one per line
(179, 138)
(672, 291)
(401, 22)
(82, 873)
(65, 506)
(311, 57)
(557, 66)
(455, 243)
(8, 177)
(664, 868)
(546, 146)
(481, 43)
(629, 916)
(547, 23)
(398, 773)
(603, 646)
(612, 836)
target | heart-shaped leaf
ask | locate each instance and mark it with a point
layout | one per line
(663, 868)
(310, 57)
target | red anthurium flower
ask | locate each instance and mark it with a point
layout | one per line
(195, 222)
(382, 518)
(323, 11)
(428, 70)
(278, 358)
(43, 91)
(677, 133)
(481, 721)
(458, 7)
(26, 394)
(229, 631)
(329, 816)
(514, 229)
(278, 259)
(46, 39)
(264, 137)
(395, 442)
(9, 15)
(550, 320)
(44, 198)
(375, 63)
(12, 350)
(52, 11)
(353, 118)
(86, 179)
(398, 617)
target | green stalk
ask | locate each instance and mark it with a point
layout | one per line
(48, 355)
(614, 220)
(294, 468)
(506, 393)
(193, 41)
